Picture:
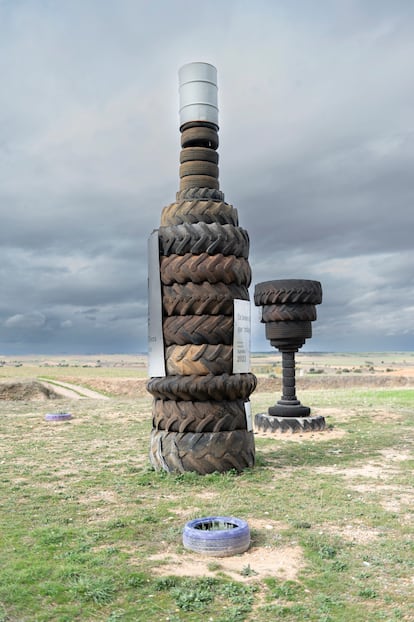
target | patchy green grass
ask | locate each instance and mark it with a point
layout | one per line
(89, 531)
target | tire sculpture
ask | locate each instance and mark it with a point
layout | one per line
(288, 308)
(200, 407)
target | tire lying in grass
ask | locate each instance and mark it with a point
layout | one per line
(274, 424)
(218, 536)
(203, 453)
(58, 416)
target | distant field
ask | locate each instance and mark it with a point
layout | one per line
(89, 532)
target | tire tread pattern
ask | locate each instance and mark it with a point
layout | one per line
(198, 416)
(198, 329)
(199, 211)
(201, 360)
(203, 453)
(202, 299)
(204, 237)
(227, 269)
(225, 387)
(291, 291)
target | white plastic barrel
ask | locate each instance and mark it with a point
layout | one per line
(198, 93)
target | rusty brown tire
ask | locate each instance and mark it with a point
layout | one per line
(201, 360)
(199, 181)
(201, 299)
(199, 416)
(291, 313)
(198, 329)
(200, 137)
(226, 387)
(199, 211)
(203, 453)
(202, 268)
(288, 291)
(199, 167)
(198, 153)
(202, 237)
(200, 194)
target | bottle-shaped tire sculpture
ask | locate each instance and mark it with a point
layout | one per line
(288, 308)
(200, 407)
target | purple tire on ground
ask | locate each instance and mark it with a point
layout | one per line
(219, 536)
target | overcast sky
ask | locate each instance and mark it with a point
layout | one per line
(316, 152)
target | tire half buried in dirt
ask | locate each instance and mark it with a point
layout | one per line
(219, 536)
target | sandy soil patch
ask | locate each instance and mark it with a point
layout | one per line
(324, 435)
(283, 562)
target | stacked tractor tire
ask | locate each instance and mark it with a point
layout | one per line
(199, 406)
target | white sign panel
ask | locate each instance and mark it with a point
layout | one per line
(156, 360)
(241, 337)
(248, 411)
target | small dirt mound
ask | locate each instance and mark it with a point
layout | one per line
(28, 390)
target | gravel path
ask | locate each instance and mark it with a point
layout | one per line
(72, 391)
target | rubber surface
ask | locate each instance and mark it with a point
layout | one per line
(227, 387)
(202, 237)
(200, 137)
(58, 416)
(200, 360)
(198, 329)
(199, 181)
(270, 423)
(218, 536)
(199, 416)
(291, 313)
(201, 299)
(199, 153)
(200, 194)
(217, 268)
(203, 453)
(199, 167)
(199, 211)
(288, 291)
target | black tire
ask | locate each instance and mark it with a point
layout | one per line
(199, 211)
(200, 194)
(288, 330)
(202, 268)
(199, 360)
(288, 291)
(200, 137)
(198, 329)
(198, 153)
(226, 387)
(199, 181)
(217, 536)
(203, 453)
(199, 416)
(202, 237)
(272, 424)
(291, 313)
(199, 167)
(201, 299)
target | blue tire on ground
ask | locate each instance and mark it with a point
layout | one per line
(219, 536)
(58, 416)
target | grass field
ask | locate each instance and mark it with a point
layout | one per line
(90, 533)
